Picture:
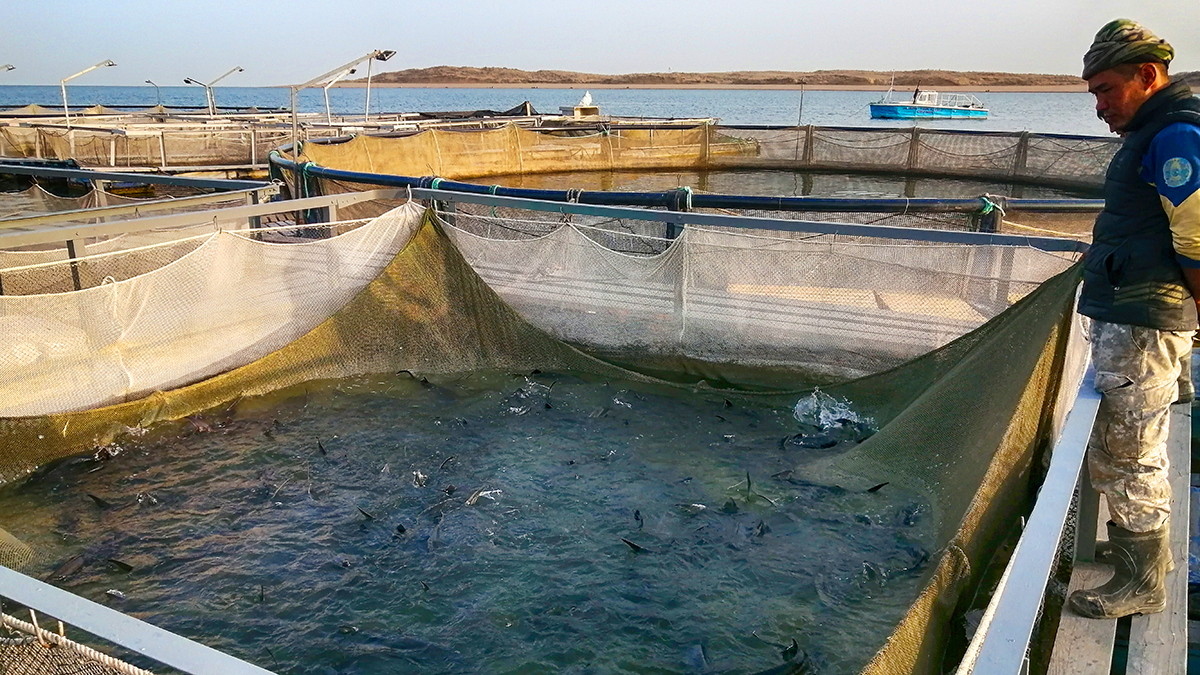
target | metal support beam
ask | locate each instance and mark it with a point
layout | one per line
(85, 174)
(133, 634)
(59, 233)
(107, 212)
(1003, 648)
(818, 227)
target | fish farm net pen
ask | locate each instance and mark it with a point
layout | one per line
(523, 333)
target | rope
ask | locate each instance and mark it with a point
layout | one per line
(989, 206)
(1031, 228)
(82, 650)
(687, 197)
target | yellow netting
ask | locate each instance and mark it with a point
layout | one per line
(962, 423)
(512, 150)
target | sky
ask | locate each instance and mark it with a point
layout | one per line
(289, 42)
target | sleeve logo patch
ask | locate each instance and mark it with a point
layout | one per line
(1176, 171)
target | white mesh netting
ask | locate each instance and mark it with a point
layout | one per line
(226, 303)
(832, 305)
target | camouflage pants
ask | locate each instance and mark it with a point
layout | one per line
(1137, 375)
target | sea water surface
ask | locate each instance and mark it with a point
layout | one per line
(1062, 113)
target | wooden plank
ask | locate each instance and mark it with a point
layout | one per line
(1083, 646)
(1158, 642)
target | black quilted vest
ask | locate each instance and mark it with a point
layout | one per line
(1130, 275)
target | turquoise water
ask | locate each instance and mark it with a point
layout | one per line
(245, 529)
(1068, 113)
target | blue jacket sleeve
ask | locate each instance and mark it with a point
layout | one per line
(1172, 165)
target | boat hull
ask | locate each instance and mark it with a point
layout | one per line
(904, 111)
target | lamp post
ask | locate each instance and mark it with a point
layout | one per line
(378, 54)
(383, 56)
(7, 67)
(63, 85)
(157, 93)
(208, 88)
(328, 111)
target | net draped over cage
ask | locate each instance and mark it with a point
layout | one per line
(958, 352)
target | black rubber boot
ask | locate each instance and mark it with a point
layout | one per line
(1138, 585)
(1104, 555)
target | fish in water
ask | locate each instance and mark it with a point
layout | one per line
(815, 437)
(634, 547)
(147, 498)
(791, 651)
(115, 594)
(692, 509)
(761, 528)
(637, 517)
(877, 488)
(419, 479)
(730, 506)
(122, 566)
(366, 515)
(400, 529)
(71, 566)
(445, 462)
(799, 664)
(321, 448)
(695, 658)
(99, 502)
(199, 424)
(449, 490)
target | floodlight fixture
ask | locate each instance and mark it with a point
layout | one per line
(107, 63)
(377, 55)
(209, 97)
(157, 93)
(7, 67)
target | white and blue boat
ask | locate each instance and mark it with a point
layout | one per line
(928, 103)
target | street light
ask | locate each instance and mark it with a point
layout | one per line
(7, 67)
(157, 93)
(208, 88)
(378, 54)
(63, 85)
(328, 111)
(383, 56)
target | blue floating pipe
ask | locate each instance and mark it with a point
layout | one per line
(678, 200)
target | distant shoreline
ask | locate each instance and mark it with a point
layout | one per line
(1047, 89)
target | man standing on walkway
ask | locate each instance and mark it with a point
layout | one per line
(1141, 284)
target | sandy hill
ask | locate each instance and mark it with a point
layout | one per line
(907, 78)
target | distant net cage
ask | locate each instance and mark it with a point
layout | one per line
(909, 328)
(462, 160)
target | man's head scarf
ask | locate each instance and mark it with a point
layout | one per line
(1124, 41)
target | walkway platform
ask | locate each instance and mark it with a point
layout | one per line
(1158, 643)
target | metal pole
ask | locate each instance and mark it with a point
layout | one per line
(367, 110)
(66, 110)
(63, 86)
(295, 125)
(157, 92)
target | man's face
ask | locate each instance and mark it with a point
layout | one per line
(1118, 96)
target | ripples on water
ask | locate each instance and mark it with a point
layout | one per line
(249, 538)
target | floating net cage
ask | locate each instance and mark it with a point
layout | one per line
(463, 160)
(966, 354)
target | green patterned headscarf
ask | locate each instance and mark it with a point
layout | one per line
(1124, 41)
